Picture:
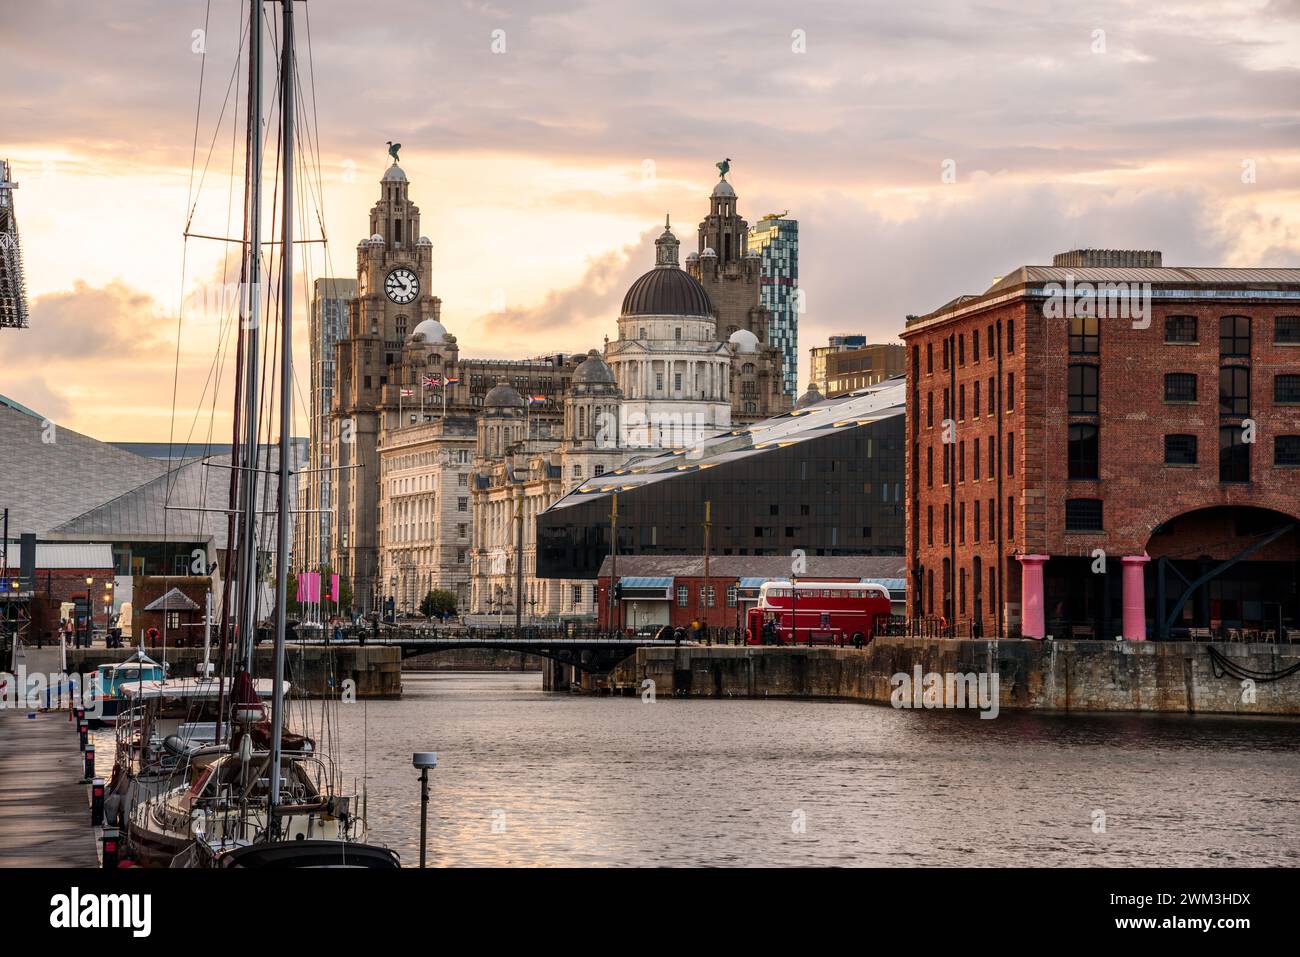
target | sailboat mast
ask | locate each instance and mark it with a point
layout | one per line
(251, 320)
(286, 412)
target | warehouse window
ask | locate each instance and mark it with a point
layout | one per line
(1234, 455)
(1084, 336)
(683, 596)
(1180, 386)
(1180, 329)
(1083, 451)
(1083, 515)
(1083, 389)
(1234, 391)
(1180, 450)
(1286, 389)
(1286, 450)
(1234, 336)
(1286, 330)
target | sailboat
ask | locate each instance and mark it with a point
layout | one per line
(259, 795)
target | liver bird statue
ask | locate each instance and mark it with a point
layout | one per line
(393, 148)
(724, 167)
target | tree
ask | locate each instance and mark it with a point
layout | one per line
(436, 602)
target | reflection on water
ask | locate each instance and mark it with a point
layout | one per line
(529, 778)
(574, 780)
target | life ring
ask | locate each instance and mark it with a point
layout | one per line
(151, 636)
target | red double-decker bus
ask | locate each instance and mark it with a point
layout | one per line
(818, 613)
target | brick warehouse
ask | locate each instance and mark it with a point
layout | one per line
(1091, 484)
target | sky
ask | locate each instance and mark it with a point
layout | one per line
(925, 149)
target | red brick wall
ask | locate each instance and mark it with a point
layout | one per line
(1138, 490)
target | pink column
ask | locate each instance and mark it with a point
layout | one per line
(1032, 621)
(1135, 608)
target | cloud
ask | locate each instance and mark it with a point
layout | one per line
(105, 322)
(579, 315)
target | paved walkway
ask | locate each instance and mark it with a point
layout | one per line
(44, 814)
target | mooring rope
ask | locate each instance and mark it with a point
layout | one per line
(1221, 664)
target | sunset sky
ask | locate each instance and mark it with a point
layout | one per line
(544, 171)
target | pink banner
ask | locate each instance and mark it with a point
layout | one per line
(334, 588)
(309, 586)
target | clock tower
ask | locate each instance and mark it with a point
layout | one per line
(394, 295)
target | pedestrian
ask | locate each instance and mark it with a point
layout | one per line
(338, 630)
(678, 635)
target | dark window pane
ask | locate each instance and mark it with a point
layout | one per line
(1286, 329)
(1083, 515)
(1286, 389)
(1180, 329)
(1083, 389)
(1286, 450)
(1180, 450)
(1234, 455)
(1180, 387)
(1234, 336)
(1234, 391)
(1083, 452)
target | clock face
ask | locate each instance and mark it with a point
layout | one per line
(402, 285)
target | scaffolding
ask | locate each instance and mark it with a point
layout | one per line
(13, 287)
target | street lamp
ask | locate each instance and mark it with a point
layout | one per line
(425, 761)
(90, 612)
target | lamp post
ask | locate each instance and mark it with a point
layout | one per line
(425, 761)
(90, 611)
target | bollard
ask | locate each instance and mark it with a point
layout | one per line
(110, 844)
(97, 803)
(90, 762)
(83, 731)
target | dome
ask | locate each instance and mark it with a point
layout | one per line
(376, 238)
(502, 396)
(425, 241)
(667, 291)
(394, 174)
(708, 251)
(692, 257)
(593, 371)
(744, 341)
(723, 189)
(811, 397)
(431, 329)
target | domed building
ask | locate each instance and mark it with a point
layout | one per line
(672, 369)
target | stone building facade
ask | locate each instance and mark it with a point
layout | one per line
(406, 407)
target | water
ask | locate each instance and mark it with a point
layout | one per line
(528, 778)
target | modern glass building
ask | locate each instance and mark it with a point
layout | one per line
(329, 324)
(776, 239)
(826, 478)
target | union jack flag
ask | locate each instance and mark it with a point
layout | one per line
(432, 380)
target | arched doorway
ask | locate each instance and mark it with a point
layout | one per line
(1224, 571)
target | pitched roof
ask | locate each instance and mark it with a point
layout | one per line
(174, 600)
(164, 509)
(52, 474)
